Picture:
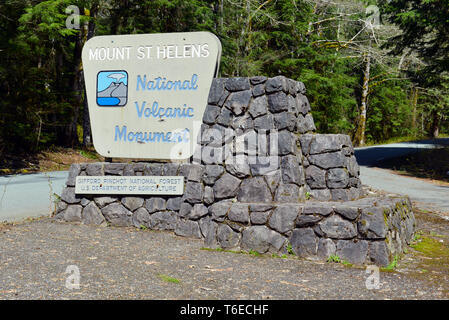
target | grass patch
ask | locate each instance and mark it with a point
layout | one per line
(334, 258)
(392, 264)
(166, 278)
(431, 247)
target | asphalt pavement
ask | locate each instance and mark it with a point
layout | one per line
(29, 195)
(426, 195)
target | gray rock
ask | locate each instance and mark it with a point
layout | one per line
(208, 195)
(103, 201)
(284, 217)
(95, 169)
(237, 84)
(188, 228)
(344, 194)
(290, 193)
(199, 210)
(277, 102)
(321, 194)
(74, 171)
(305, 124)
(262, 239)
(72, 213)
(259, 217)
(302, 104)
(153, 169)
(275, 84)
(174, 204)
(238, 102)
(273, 178)
(185, 209)
(286, 143)
(260, 207)
(141, 217)
(213, 155)
(336, 227)
(304, 242)
(239, 213)
(258, 107)
(212, 173)
(132, 203)
(307, 220)
(216, 90)
(68, 195)
(337, 178)
(114, 168)
(328, 160)
(257, 80)
(292, 107)
(117, 215)
(285, 120)
(322, 143)
(353, 252)
(238, 167)
(170, 169)
(219, 210)
(154, 204)
(195, 173)
(84, 202)
(291, 171)
(163, 220)
(226, 186)
(353, 167)
(291, 86)
(242, 123)
(305, 141)
(254, 190)
(378, 253)
(227, 238)
(326, 248)
(264, 122)
(225, 117)
(372, 224)
(258, 90)
(348, 212)
(92, 214)
(184, 169)
(60, 206)
(128, 170)
(300, 87)
(355, 182)
(193, 192)
(207, 226)
(322, 209)
(315, 177)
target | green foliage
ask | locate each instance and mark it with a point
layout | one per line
(40, 67)
(334, 258)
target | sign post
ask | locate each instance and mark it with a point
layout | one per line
(145, 92)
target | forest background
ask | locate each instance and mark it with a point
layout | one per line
(376, 70)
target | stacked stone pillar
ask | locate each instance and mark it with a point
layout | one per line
(260, 179)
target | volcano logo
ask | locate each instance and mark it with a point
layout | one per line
(112, 88)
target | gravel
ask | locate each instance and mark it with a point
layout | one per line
(127, 263)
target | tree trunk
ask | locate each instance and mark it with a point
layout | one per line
(435, 124)
(359, 139)
(414, 104)
(87, 132)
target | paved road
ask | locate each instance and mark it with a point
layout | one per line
(24, 196)
(31, 195)
(427, 195)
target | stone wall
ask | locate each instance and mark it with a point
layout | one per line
(260, 179)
